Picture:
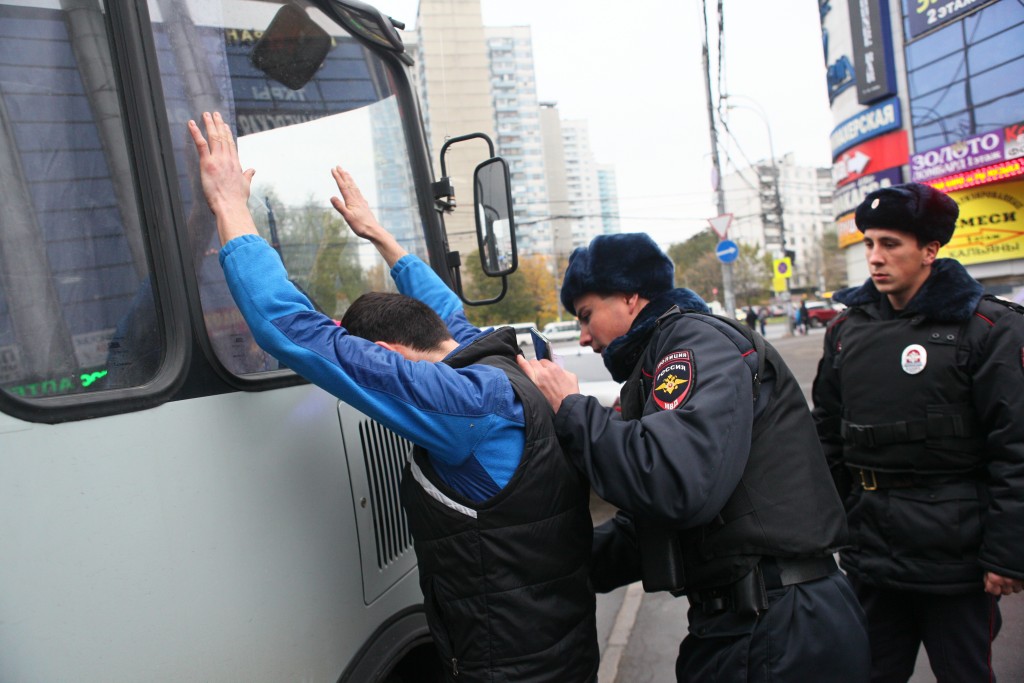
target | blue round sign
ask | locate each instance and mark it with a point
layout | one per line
(727, 251)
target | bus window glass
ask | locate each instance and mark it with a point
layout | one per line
(77, 311)
(293, 135)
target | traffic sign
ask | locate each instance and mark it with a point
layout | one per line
(782, 267)
(727, 251)
(720, 224)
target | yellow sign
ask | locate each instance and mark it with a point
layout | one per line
(782, 267)
(991, 224)
(778, 284)
(846, 229)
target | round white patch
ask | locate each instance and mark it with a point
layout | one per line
(874, 204)
(913, 359)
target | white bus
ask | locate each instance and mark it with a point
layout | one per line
(175, 506)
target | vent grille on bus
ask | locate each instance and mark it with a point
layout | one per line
(385, 455)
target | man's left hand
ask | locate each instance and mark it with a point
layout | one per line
(1002, 585)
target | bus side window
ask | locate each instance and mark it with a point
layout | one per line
(293, 133)
(77, 307)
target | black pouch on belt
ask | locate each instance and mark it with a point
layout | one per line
(661, 557)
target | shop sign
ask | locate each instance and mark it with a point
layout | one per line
(848, 197)
(995, 173)
(1013, 141)
(872, 50)
(990, 226)
(846, 229)
(873, 156)
(962, 155)
(881, 118)
(925, 15)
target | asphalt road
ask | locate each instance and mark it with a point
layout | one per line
(640, 633)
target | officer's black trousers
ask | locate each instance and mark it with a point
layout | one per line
(812, 633)
(957, 632)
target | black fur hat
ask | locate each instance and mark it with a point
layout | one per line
(629, 263)
(921, 210)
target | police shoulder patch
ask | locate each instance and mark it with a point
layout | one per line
(674, 377)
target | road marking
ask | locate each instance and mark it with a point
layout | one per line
(618, 639)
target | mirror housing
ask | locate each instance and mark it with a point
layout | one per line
(492, 207)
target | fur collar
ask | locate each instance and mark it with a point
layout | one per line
(949, 294)
(622, 354)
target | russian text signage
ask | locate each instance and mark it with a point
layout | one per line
(962, 155)
(881, 118)
(990, 226)
(872, 50)
(848, 197)
(925, 15)
(873, 156)
(1004, 170)
(846, 229)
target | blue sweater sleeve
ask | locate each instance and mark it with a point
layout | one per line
(447, 411)
(414, 278)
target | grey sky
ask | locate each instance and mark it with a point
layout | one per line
(636, 76)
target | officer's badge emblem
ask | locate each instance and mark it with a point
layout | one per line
(914, 358)
(673, 380)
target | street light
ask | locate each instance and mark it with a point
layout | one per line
(757, 110)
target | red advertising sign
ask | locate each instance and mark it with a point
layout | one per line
(872, 156)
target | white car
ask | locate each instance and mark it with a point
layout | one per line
(565, 330)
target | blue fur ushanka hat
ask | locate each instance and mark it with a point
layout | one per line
(923, 211)
(628, 263)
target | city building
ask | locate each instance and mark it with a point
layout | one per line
(608, 194)
(517, 123)
(932, 94)
(753, 196)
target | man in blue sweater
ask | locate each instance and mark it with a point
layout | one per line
(500, 519)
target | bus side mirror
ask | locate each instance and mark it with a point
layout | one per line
(495, 225)
(492, 208)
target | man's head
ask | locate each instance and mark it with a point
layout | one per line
(608, 283)
(399, 323)
(904, 226)
(924, 212)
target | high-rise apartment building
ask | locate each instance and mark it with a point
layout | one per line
(608, 193)
(517, 123)
(753, 197)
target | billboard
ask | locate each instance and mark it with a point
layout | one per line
(872, 50)
(881, 118)
(926, 15)
(875, 155)
(990, 226)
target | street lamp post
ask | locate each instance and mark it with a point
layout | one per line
(787, 303)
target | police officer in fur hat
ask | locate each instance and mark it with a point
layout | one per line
(919, 401)
(716, 463)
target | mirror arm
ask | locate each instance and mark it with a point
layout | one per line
(454, 265)
(444, 195)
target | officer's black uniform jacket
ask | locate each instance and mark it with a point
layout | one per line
(505, 581)
(696, 459)
(943, 438)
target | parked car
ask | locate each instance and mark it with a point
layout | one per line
(565, 330)
(819, 313)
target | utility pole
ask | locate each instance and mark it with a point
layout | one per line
(727, 293)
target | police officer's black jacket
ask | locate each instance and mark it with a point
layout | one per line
(921, 414)
(690, 453)
(505, 581)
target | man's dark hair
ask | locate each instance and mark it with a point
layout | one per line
(396, 319)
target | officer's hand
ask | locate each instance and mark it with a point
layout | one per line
(1002, 585)
(552, 380)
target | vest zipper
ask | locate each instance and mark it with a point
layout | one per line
(455, 667)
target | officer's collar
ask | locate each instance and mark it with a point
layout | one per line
(949, 294)
(622, 355)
